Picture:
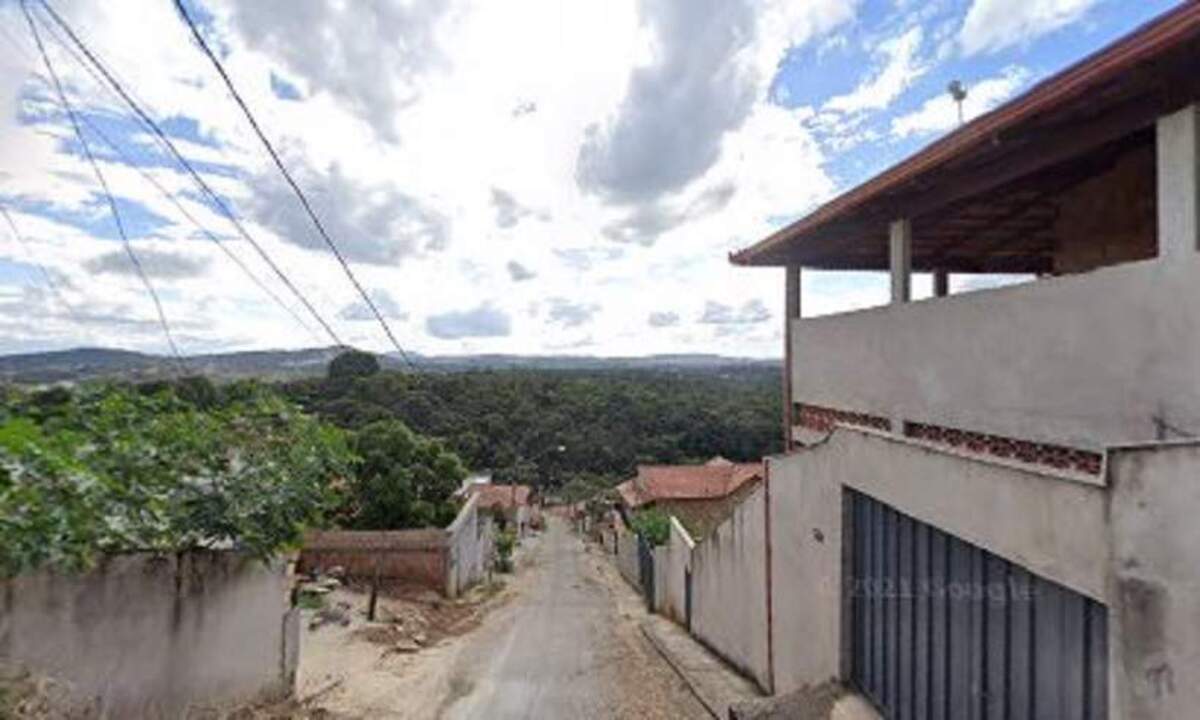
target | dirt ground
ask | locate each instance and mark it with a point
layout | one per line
(560, 639)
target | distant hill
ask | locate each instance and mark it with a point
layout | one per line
(95, 363)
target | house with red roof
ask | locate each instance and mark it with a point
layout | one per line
(507, 503)
(700, 496)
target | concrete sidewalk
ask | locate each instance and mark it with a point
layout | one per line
(716, 684)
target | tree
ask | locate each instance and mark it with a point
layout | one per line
(353, 364)
(112, 468)
(402, 480)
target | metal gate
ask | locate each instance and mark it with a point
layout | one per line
(945, 630)
(687, 597)
(646, 570)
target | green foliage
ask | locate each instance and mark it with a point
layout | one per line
(652, 524)
(545, 427)
(353, 364)
(402, 480)
(506, 541)
(116, 468)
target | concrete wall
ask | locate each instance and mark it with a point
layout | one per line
(470, 545)
(729, 602)
(1055, 526)
(151, 636)
(1154, 618)
(677, 554)
(1109, 218)
(1081, 360)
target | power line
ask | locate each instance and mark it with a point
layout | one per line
(290, 181)
(170, 197)
(164, 141)
(112, 203)
(50, 283)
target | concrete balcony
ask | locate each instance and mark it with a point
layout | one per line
(1084, 361)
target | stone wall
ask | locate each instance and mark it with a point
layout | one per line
(152, 636)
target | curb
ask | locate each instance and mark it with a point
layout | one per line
(670, 659)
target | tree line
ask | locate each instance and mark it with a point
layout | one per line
(552, 428)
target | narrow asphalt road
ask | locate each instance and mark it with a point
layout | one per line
(567, 646)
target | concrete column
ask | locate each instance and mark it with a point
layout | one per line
(791, 312)
(793, 292)
(900, 252)
(941, 283)
(1178, 142)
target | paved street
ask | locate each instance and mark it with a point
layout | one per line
(569, 647)
(566, 645)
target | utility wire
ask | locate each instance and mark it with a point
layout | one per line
(290, 181)
(167, 194)
(170, 197)
(53, 286)
(112, 203)
(161, 137)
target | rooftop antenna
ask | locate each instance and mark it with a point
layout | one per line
(958, 92)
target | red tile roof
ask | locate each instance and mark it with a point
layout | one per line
(715, 479)
(500, 496)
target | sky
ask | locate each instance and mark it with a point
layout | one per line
(524, 176)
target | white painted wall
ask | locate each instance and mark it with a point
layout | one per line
(469, 542)
(677, 554)
(729, 596)
(150, 636)
(1081, 360)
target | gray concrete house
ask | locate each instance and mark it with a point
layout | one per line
(990, 505)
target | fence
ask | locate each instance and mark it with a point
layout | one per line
(144, 635)
(447, 560)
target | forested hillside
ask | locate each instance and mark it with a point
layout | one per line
(548, 427)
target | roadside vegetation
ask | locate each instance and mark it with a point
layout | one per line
(652, 524)
(186, 464)
(157, 467)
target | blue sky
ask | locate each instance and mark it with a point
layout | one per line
(534, 178)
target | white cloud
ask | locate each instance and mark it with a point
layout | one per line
(902, 66)
(940, 113)
(992, 25)
(446, 168)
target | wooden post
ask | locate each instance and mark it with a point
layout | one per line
(374, 593)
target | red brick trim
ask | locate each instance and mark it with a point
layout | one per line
(815, 417)
(1034, 453)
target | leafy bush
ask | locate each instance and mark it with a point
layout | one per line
(506, 541)
(116, 468)
(652, 524)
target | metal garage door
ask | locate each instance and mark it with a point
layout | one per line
(943, 629)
